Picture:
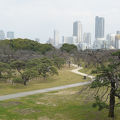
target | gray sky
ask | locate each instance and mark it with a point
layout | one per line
(38, 18)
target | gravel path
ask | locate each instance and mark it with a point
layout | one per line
(23, 94)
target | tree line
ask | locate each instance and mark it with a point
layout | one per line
(23, 71)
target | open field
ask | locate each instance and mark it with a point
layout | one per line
(65, 77)
(68, 104)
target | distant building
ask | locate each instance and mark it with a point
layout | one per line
(117, 42)
(87, 38)
(2, 35)
(77, 31)
(10, 35)
(118, 32)
(84, 46)
(56, 38)
(51, 41)
(111, 40)
(99, 27)
(100, 43)
(68, 40)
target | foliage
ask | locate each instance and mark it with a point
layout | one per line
(19, 65)
(58, 62)
(68, 48)
(17, 80)
(26, 44)
(28, 74)
(45, 69)
(4, 67)
(100, 104)
(109, 76)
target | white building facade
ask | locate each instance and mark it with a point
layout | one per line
(56, 38)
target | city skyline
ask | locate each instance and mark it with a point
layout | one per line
(45, 16)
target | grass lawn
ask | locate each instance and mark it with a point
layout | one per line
(65, 77)
(68, 104)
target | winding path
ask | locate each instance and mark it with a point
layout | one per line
(23, 94)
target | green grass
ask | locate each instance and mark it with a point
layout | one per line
(67, 104)
(65, 77)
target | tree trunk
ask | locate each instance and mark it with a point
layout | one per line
(69, 64)
(25, 82)
(112, 100)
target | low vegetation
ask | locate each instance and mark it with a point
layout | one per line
(69, 104)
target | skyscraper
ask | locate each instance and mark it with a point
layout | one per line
(2, 35)
(56, 38)
(77, 31)
(10, 35)
(99, 27)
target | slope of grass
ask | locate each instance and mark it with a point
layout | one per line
(65, 77)
(68, 104)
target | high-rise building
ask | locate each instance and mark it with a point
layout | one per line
(117, 41)
(99, 27)
(10, 35)
(56, 38)
(2, 35)
(77, 31)
(87, 38)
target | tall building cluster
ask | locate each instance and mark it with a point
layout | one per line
(84, 40)
(8, 35)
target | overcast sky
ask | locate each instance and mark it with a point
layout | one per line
(38, 18)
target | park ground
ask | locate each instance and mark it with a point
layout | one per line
(65, 77)
(68, 104)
